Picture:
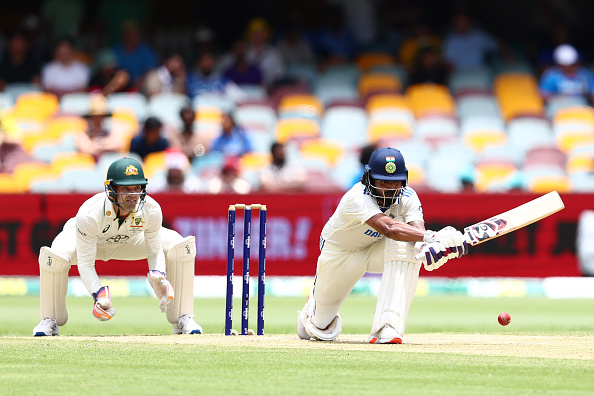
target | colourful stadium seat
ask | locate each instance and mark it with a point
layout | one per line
(298, 129)
(431, 99)
(368, 60)
(378, 83)
(329, 151)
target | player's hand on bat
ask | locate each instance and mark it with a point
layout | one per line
(103, 309)
(451, 238)
(433, 255)
(162, 288)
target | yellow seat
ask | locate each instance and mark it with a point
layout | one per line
(479, 140)
(26, 172)
(368, 60)
(37, 106)
(71, 161)
(301, 104)
(329, 151)
(11, 185)
(60, 126)
(209, 114)
(569, 140)
(32, 140)
(387, 101)
(298, 129)
(254, 161)
(388, 130)
(416, 174)
(582, 162)
(518, 95)
(431, 99)
(489, 174)
(154, 162)
(581, 114)
(546, 184)
(378, 82)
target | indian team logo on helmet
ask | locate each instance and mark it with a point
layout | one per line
(390, 165)
(131, 170)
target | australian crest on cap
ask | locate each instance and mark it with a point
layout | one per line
(131, 170)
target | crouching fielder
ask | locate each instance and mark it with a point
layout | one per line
(377, 227)
(121, 224)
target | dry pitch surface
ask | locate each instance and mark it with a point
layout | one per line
(554, 347)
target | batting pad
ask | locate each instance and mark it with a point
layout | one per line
(397, 290)
(180, 261)
(53, 285)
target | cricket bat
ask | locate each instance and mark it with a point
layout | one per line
(514, 219)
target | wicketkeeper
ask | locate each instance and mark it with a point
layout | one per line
(123, 223)
(378, 227)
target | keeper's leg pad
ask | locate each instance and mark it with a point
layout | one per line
(180, 261)
(398, 285)
(53, 285)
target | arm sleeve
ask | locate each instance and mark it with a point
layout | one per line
(152, 238)
(360, 208)
(412, 209)
(86, 251)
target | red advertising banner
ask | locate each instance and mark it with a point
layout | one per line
(545, 248)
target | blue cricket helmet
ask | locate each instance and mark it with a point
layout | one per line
(387, 163)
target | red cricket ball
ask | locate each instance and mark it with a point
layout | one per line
(504, 318)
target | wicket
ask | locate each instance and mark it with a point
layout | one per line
(247, 217)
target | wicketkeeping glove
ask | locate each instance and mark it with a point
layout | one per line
(162, 288)
(103, 309)
(433, 255)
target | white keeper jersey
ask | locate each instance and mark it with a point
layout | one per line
(347, 230)
(98, 227)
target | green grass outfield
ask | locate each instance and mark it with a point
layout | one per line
(453, 345)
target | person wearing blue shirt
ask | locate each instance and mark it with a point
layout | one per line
(135, 56)
(567, 77)
(233, 141)
(150, 139)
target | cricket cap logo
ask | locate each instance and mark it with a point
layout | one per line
(131, 170)
(390, 164)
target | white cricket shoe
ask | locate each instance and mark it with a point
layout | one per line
(187, 325)
(301, 317)
(387, 335)
(47, 327)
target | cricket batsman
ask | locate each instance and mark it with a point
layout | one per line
(378, 227)
(123, 223)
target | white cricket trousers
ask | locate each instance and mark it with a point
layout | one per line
(337, 273)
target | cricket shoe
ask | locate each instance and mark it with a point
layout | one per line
(302, 317)
(387, 335)
(47, 327)
(187, 325)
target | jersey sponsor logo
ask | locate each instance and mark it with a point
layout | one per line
(372, 233)
(106, 229)
(80, 232)
(118, 239)
(131, 170)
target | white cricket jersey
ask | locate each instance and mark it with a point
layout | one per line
(347, 230)
(98, 227)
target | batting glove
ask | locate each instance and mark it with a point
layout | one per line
(103, 310)
(452, 239)
(162, 288)
(433, 255)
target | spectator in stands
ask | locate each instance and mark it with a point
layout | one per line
(65, 74)
(229, 181)
(97, 139)
(206, 81)
(170, 77)
(233, 140)
(567, 77)
(178, 176)
(64, 17)
(429, 67)
(280, 176)
(113, 14)
(134, 55)
(187, 140)
(335, 43)
(262, 53)
(17, 66)
(294, 48)
(421, 37)
(11, 151)
(109, 78)
(242, 72)
(149, 140)
(467, 46)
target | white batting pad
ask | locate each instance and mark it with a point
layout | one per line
(53, 285)
(397, 290)
(180, 261)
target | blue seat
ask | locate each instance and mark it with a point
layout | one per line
(347, 125)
